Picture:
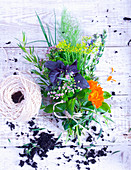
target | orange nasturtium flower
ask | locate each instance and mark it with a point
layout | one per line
(96, 96)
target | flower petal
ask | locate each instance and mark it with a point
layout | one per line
(112, 69)
(109, 78)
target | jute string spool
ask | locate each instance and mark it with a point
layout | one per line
(20, 97)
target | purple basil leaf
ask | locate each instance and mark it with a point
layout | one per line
(81, 82)
(60, 65)
(48, 88)
(53, 76)
(51, 65)
(72, 67)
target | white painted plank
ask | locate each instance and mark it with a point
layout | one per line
(120, 61)
(93, 17)
(119, 161)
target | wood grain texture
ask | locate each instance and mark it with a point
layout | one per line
(121, 109)
(112, 57)
(118, 161)
(94, 16)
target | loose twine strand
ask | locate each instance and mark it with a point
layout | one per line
(24, 83)
(68, 116)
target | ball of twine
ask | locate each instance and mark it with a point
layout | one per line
(20, 97)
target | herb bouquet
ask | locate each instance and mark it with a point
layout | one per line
(67, 76)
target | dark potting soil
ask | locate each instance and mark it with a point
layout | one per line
(21, 163)
(89, 138)
(31, 123)
(11, 125)
(91, 157)
(45, 141)
(40, 146)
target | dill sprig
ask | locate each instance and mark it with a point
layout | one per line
(68, 29)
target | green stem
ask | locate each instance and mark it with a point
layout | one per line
(77, 132)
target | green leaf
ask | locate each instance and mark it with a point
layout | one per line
(26, 145)
(78, 135)
(94, 119)
(27, 58)
(37, 129)
(60, 107)
(107, 118)
(49, 109)
(36, 72)
(99, 133)
(90, 119)
(65, 125)
(115, 152)
(43, 30)
(90, 108)
(42, 106)
(23, 33)
(105, 107)
(129, 130)
(106, 95)
(36, 41)
(50, 35)
(61, 78)
(88, 105)
(92, 145)
(70, 106)
(9, 140)
(59, 136)
(83, 94)
(35, 59)
(87, 77)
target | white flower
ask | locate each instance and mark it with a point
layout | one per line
(67, 76)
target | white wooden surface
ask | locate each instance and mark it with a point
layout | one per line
(94, 16)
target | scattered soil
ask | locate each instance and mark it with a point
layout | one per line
(11, 125)
(42, 142)
(127, 19)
